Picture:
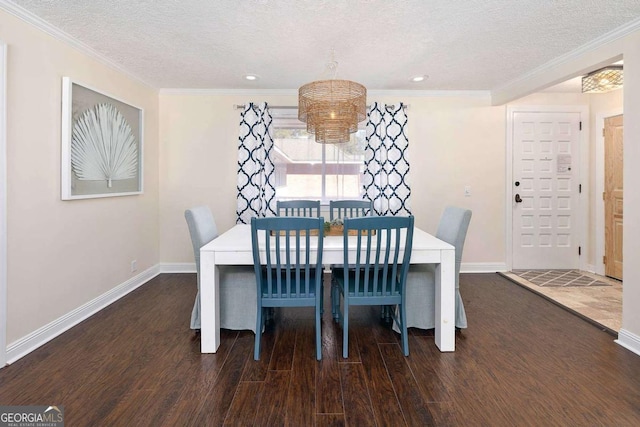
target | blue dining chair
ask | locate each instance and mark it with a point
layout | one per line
(303, 208)
(288, 272)
(350, 208)
(237, 283)
(383, 250)
(346, 209)
(306, 208)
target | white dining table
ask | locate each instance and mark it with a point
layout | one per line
(234, 248)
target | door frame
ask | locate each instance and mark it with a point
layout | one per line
(583, 206)
(3, 204)
(598, 207)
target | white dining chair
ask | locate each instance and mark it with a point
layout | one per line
(421, 290)
(237, 283)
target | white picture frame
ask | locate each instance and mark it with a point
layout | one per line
(102, 144)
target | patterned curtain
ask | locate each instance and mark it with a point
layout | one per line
(256, 189)
(385, 160)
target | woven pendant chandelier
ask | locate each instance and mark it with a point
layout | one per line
(332, 109)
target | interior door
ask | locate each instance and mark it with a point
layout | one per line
(546, 162)
(613, 127)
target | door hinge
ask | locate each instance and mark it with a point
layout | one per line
(579, 250)
(604, 259)
(579, 188)
(602, 131)
(603, 195)
(580, 126)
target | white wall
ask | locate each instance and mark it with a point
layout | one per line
(62, 255)
(631, 238)
(3, 205)
(454, 141)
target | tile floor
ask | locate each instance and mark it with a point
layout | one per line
(603, 304)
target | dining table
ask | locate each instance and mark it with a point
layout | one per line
(234, 247)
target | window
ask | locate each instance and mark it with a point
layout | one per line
(308, 170)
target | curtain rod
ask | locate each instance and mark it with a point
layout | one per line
(295, 107)
(279, 107)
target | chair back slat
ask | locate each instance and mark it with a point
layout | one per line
(382, 256)
(304, 208)
(285, 259)
(350, 208)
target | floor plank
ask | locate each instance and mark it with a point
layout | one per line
(300, 405)
(357, 403)
(244, 407)
(414, 407)
(379, 383)
(271, 410)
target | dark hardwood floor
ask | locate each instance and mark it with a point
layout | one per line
(522, 361)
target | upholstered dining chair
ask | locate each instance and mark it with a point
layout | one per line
(380, 269)
(306, 208)
(349, 208)
(286, 273)
(237, 283)
(421, 311)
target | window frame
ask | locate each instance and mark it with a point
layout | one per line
(287, 118)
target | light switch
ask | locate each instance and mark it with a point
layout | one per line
(467, 191)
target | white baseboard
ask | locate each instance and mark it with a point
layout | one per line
(482, 267)
(629, 341)
(30, 342)
(186, 267)
(475, 267)
(178, 267)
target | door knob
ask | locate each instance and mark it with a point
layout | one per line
(518, 199)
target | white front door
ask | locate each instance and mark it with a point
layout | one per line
(546, 161)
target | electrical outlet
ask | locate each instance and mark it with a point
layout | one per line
(467, 191)
(134, 265)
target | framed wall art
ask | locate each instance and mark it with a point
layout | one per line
(102, 141)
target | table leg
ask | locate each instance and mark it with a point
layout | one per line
(209, 303)
(445, 333)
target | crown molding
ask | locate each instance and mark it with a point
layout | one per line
(431, 93)
(229, 92)
(294, 92)
(594, 44)
(60, 35)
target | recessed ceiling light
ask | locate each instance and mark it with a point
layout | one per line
(251, 77)
(417, 79)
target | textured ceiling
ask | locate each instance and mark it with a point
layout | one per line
(459, 44)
